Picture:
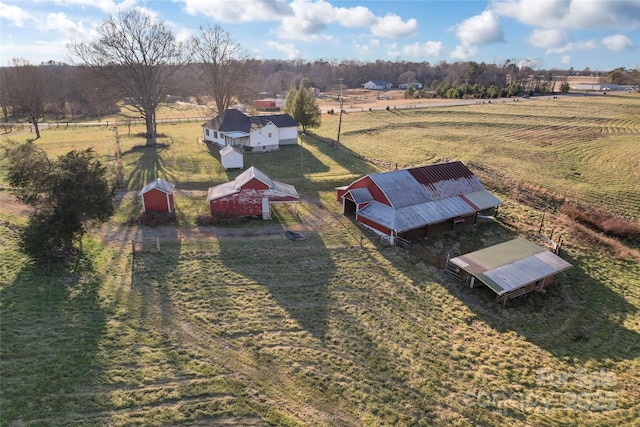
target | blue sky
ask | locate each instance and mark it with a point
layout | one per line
(599, 34)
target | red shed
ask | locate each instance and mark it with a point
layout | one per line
(158, 196)
(250, 194)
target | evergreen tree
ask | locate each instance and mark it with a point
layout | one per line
(67, 195)
(303, 106)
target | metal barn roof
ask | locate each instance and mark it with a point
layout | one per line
(511, 265)
(158, 184)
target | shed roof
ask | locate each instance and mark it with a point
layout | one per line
(158, 184)
(245, 177)
(229, 149)
(511, 265)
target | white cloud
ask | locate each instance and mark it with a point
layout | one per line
(617, 42)
(480, 29)
(463, 52)
(367, 50)
(108, 6)
(565, 59)
(574, 47)
(572, 14)
(239, 11)
(288, 48)
(60, 22)
(36, 52)
(355, 17)
(419, 50)
(17, 16)
(546, 38)
(392, 26)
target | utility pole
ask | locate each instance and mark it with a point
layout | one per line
(341, 103)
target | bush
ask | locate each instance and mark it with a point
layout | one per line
(600, 220)
(153, 218)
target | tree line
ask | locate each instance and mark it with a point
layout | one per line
(137, 59)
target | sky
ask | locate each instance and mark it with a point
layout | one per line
(544, 34)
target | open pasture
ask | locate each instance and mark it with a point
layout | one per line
(584, 148)
(237, 325)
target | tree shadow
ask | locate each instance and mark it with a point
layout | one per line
(577, 316)
(296, 273)
(52, 323)
(154, 261)
(148, 167)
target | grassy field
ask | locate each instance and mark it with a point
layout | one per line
(583, 148)
(240, 326)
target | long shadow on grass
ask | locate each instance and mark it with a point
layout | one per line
(52, 322)
(148, 167)
(296, 273)
(578, 316)
(153, 272)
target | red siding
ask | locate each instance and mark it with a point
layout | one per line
(373, 189)
(247, 202)
(156, 200)
(373, 225)
(255, 185)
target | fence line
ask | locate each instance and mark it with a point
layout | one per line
(8, 127)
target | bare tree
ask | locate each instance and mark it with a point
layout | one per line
(137, 56)
(26, 88)
(221, 65)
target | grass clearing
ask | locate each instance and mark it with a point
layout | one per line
(242, 326)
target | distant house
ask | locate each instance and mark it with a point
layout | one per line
(231, 158)
(250, 194)
(377, 85)
(510, 269)
(408, 203)
(416, 86)
(251, 133)
(158, 196)
(605, 87)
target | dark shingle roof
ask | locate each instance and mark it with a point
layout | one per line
(235, 120)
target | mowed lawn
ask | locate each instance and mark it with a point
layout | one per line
(237, 325)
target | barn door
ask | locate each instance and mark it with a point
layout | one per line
(266, 208)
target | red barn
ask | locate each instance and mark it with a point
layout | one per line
(158, 196)
(250, 194)
(406, 203)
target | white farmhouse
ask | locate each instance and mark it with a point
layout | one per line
(251, 133)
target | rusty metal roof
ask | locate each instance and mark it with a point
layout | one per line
(432, 174)
(234, 186)
(511, 265)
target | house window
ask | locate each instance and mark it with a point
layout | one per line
(269, 134)
(215, 134)
(206, 132)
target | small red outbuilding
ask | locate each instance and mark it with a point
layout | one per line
(250, 194)
(158, 196)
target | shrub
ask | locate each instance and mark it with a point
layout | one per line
(153, 218)
(601, 220)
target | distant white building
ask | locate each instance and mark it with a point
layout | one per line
(602, 87)
(416, 86)
(377, 85)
